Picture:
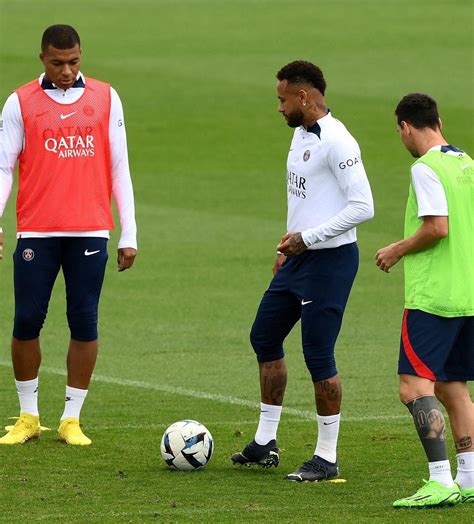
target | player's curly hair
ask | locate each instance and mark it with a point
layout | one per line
(419, 110)
(303, 72)
(60, 36)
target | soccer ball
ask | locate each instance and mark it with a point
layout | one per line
(187, 445)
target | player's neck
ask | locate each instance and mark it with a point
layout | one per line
(316, 113)
(429, 140)
(315, 110)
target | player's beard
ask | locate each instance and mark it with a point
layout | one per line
(295, 119)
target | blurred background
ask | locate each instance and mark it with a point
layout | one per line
(208, 155)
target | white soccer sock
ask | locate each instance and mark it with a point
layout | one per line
(268, 424)
(465, 475)
(74, 400)
(441, 472)
(28, 395)
(328, 432)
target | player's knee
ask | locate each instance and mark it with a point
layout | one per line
(321, 363)
(84, 332)
(320, 373)
(256, 339)
(452, 394)
(27, 324)
(441, 394)
(83, 326)
(405, 393)
(412, 386)
(265, 349)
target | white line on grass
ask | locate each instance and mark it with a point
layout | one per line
(224, 399)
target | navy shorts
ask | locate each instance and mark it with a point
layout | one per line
(313, 287)
(437, 348)
(36, 263)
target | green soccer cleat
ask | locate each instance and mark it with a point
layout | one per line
(467, 494)
(431, 495)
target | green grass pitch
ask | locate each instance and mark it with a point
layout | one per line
(208, 152)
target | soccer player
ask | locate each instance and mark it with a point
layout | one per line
(437, 342)
(68, 132)
(316, 263)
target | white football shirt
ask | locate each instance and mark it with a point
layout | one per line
(328, 190)
(12, 142)
(429, 190)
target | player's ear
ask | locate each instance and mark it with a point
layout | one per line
(303, 96)
(405, 128)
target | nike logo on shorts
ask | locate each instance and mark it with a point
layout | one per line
(63, 117)
(304, 302)
(88, 253)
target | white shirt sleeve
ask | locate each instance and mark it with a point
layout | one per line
(429, 191)
(345, 162)
(122, 189)
(11, 144)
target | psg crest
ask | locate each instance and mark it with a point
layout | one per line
(28, 254)
(306, 155)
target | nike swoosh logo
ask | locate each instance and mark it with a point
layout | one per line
(88, 253)
(63, 117)
(304, 302)
(41, 114)
(329, 423)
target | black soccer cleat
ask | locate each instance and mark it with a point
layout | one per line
(315, 470)
(255, 454)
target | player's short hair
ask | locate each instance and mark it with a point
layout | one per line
(303, 72)
(60, 36)
(419, 110)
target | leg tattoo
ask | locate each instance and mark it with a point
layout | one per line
(273, 376)
(464, 444)
(430, 425)
(328, 394)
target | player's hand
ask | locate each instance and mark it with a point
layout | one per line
(292, 244)
(1, 243)
(125, 258)
(387, 257)
(280, 259)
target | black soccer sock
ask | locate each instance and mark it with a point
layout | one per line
(430, 424)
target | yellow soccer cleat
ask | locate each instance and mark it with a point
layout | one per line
(71, 433)
(26, 427)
